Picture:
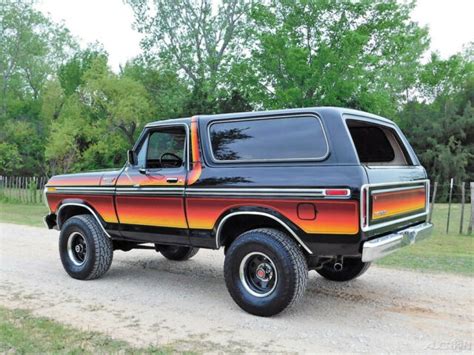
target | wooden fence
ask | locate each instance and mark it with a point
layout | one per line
(24, 189)
(461, 193)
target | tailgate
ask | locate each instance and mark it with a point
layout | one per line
(390, 203)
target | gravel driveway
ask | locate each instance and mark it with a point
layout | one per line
(146, 299)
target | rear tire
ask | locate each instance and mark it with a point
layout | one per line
(352, 269)
(265, 271)
(176, 253)
(86, 251)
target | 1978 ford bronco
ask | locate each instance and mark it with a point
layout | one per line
(325, 189)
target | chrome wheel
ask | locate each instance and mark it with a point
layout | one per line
(258, 274)
(77, 248)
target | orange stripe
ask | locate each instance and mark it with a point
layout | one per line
(333, 217)
(395, 203)
(195, 173)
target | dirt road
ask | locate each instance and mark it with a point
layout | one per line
(146, 299)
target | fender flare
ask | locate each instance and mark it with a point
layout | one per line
(83, 205)
(265, 213)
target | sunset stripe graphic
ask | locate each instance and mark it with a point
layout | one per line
(332, 217)
(389, 204)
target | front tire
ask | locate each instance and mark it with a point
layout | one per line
(85, 250)
(172, 252)
(352, 269)
(265, 271)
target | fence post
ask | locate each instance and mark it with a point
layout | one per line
(35, 196)
(40, 185)
(471, 222)
(451, 184)
(462, 207)
(17, 187)
(23, 190)
(28, 183)
(433, 198)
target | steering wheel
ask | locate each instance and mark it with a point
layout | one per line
(175, 164)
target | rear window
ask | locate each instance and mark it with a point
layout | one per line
(275, 139)
(377, 144)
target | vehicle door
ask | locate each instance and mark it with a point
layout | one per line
(150, 191)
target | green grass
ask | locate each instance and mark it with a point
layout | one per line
(21, 332)
(28, 214)
(442, 252)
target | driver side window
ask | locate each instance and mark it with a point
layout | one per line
(166, 148)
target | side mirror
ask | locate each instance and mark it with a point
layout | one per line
(131, 157)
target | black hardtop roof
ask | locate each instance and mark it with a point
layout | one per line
(230, 116)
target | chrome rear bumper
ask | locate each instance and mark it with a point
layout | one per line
(379, 247)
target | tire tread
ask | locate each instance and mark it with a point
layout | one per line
(103, 245)
(288, 247)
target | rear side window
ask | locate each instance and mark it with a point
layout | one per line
(377, 144)
(275, 139)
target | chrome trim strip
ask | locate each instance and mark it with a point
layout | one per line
(83, 188)
(291, 192)
(397, 183)
(383, 246)
(83, 192)
(58, 212)
(294, 235)
(388, 223)
(243, 161)
(196, 189)
(397, 189)
(165, 190)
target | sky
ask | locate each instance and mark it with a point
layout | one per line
(109, 22)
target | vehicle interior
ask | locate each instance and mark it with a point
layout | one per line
(377, 145)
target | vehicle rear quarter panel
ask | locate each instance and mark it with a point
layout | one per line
(335, 219)
(330, 217)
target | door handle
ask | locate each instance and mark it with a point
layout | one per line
(172, 180)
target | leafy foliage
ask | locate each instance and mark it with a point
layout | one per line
(361, 54)
(442, 131)
(62, 109)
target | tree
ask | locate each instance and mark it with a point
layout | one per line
(441, 128)
(361, 54)
(32, 48)
(168, 92)
(98, 121)
(71, 73)
(442, 78)
(119, 99)
(199, 41)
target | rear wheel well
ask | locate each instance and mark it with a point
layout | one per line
(238, 224)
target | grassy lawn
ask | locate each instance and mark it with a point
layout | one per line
(442, 252)
(21, 333)
(30, 215)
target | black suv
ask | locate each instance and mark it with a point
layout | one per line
(325, 189)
